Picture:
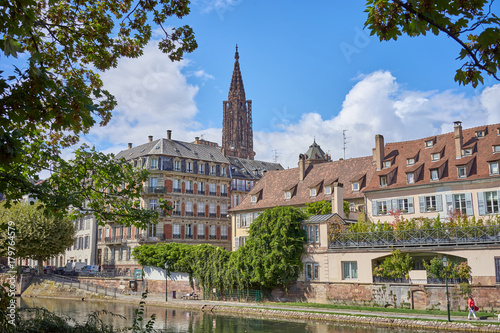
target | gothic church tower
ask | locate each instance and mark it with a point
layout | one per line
(237, 133)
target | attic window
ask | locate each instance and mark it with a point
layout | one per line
(142, 151)
(410, 178)
(496, 149)
(467, 151)
(410, 161)
(429, 143)
(355, 187)
(383, 181)
(157, 147)
(288, 195)
(254, 198)
(435, 157)
(387, 164)
(195, 152)
(462, 171)
(480, 134)
(328, 190)
(312, 192)
(434, 174)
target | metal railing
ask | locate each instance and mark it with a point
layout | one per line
(236, 295)
(419, 237)
(155, 189)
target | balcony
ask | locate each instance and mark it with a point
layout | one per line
(212, 193)
(212, 215)
(176, 212)
(224, 194)
(189, 214)
(223, 237)
(212, 237)
(176, 236)
(161, 212)
(155, 189)
(200, 237)
(201, 213)
(223, 215)
(177, 190)
(114, 240)
(449, 237)
(201, 192)
(189, 236)
(189, 191)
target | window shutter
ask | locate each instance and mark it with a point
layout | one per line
(195, 167)
(498, 199)
(388, 203)
(421, 203)
(238, 221)
(439, 203)
(468, 204)
(236, 243)
(395, 204)
(449, 203)
(481, 203)
(411, 208)
(374, 208)
(183, 165)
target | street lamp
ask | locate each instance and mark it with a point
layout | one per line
(445, 264)
(166, 281)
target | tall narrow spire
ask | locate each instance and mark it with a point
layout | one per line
(237, 133)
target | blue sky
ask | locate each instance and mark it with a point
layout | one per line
(311, 71)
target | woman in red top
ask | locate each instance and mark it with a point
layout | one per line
(472, 307)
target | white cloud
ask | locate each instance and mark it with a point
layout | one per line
(378, 105)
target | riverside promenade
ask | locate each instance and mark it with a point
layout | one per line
(284, 311)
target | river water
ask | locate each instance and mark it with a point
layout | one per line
(191, 321)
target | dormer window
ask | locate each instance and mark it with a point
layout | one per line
(254, 198)
(435, 157)
(429, 143)
(328, 190)
(355, 187)
(434, 174)
(467, 151)
(496, 149)
(462, 171)
(410, 178)
(494, 168)
(383, 181)
(387, 164)
(410, 161)
(479, 134)
(288, 195)
(312, 192)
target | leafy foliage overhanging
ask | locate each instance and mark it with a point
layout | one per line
(271, 256)
(53, 94)
(471, 24)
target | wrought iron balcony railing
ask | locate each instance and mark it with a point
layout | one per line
(419, 237)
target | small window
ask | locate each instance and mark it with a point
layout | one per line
(213, 169)
(382, 207)
(189, 167)
(177, 165)
(494, 168)
(480, 134)
(435, 156)
(410, 161)
(434, 174)
(328, 190)
(403, 205)
(496, 149)
(410, 178)
(154, 163)
(349, 270)
(491, 202)
(201, 168)
(430, 204)
(467, 151)
(429, 143)
(383, 181)
(387, 164)
(254, 198)
(287, 195)
(355, 187)
(462, 171)
(312, 271)
(313, 192)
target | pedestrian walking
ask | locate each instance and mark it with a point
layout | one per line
(472, 307)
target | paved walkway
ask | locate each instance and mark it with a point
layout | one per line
(160, 300)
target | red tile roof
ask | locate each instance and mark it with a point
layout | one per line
(273, 185)
(477, 163)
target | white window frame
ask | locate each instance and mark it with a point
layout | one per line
(288, 195)
(383, 181)
(254, 198)
(410, 178)
(435, 156)
(467, 151)
(328, 189)
(355, 187)
(189, 167)
(403, 205)
(382, 207)
(430, 203)
(496, 149)
(311, 271)
(491, 202)
(349, 270)
(154, 163)
(153, 204)
(410, 161)
(177, 165)
(461, 171)
(200, 233)
(213, 170)
(201, 168)
(312, 192)
(429, 143)
(177, 184)
(386, 164)
(493, 167)
(434, 174)
(459, 203)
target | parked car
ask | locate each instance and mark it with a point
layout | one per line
(48, 269)
(59, 270)
(73, 268)
(90, 270)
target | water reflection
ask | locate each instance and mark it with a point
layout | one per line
(188, 321)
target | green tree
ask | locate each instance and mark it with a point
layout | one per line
(33, 234)
(319, 207)
(471, 24)
(396, 266)
(274, 247)
(53, 94)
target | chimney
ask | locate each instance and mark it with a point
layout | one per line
(338, 199)
(150, 138)
(378, 152)
(129, 145)
(459, 139)
(169, 134)
(302, 167)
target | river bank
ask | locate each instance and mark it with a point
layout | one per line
(50, 289)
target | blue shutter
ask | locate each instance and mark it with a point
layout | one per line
(481, 203)
(388, 203)
(449, 202)
(217, 170)
(374, 208)
(439, 203)
(411, 208)
(183, 165)
(395, 204)
(421, 203)
(498, 199)
(195, 166)
(468, 204)
(168, 164)
(207, 166)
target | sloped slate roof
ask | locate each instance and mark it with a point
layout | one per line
(244, 168)
(175, 148)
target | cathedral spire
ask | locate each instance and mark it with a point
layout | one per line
(237, 133)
